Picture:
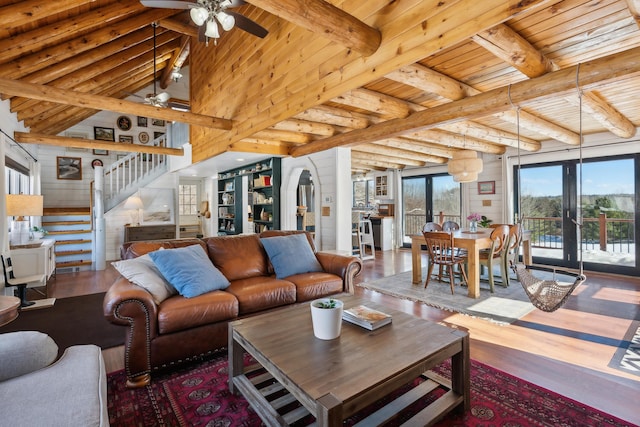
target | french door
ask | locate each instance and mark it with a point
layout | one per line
(424, 198)
(552, 203)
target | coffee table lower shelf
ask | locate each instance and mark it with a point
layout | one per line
(258, 388)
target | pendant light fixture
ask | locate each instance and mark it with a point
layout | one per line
(464, 166)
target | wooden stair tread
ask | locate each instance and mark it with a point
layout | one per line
(66, 211)
(63, 232)
(78, 263)
(71, 242)
(66, 222)
(76, 252)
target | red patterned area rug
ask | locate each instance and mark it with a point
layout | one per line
(197, 395)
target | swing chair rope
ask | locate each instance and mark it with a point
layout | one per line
(548, 295)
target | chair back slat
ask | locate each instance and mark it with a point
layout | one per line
(450, 226)
(7, 268)
(431, 226)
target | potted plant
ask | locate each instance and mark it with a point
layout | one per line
(38, 232)
(326, 317)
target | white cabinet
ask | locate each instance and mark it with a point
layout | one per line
(382, 232)
(40, 260)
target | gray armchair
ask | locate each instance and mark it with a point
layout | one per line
(35, 390)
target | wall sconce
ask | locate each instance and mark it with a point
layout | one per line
(21, 206)
(464, 166)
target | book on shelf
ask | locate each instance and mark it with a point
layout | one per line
(366, 317)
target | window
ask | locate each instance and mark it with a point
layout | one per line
(188, 199)
(363, 193)
(16, 178)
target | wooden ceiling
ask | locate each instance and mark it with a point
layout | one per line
(403, 83)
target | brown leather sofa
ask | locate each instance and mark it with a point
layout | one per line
(181, 329)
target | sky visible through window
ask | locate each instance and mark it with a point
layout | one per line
(603, 177)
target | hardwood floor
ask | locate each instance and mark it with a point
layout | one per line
(567, 351)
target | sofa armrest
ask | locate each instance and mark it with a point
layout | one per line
(347, 267)
(24, 352)
(130, 305)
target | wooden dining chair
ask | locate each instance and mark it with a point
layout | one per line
(494, 255)
(431, 226)
(442, 252)
(512, 251)
(450, 226)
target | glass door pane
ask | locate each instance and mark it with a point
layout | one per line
(446, 199)
(608, 209)
(414, 206)
(541, 203)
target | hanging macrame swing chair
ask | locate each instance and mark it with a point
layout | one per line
(548, 294)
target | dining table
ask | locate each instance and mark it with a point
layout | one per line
(473, 242)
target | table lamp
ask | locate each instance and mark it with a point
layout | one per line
(21, 206)
(134, 203)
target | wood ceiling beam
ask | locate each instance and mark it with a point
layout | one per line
(593, 74)
(261, 146)
(23, 12)
(417, 146)
(97, 102)
(334, 116)
(357, 154)
(424, 78)
(408, 154)
(281, 135)
(60, 141)
(50, 56)
(52, 34)
(375, 102)
(179, 27)
(365, 167)
(325, 19)
(428, 28)
(305, 126)
(509, 46)
(176, 61)
(374, 160)
(125, 78)
(448, 139)
(634, 8)
(496, 136)
(131, 59)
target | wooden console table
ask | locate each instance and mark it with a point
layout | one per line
(134, 233)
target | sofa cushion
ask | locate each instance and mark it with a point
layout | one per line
(310, 286)
(144, 273)
(238, 257)
(24, 352)
(135, 249)
(290, 255)
(189, 270)
(261, 293)
(179, 313)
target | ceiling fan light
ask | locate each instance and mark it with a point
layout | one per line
(199, 15)
(212, 30)
(226, 21)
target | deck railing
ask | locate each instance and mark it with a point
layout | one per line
(413, 223)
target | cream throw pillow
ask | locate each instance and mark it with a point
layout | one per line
(144, 273)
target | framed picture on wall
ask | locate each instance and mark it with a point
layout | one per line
(126, 139)
(104, 134)
(142, 122)
(486, 187)
(157, 122)
(100, 152)
(69, 167)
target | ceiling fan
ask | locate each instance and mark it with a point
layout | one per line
(155, 99)
(207, 14)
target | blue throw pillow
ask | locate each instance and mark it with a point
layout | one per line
(189, 270)
(290, 255)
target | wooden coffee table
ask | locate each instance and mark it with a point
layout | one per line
(335, 379)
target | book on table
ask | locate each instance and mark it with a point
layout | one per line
(366, 317)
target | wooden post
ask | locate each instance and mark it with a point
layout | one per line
(602, 220)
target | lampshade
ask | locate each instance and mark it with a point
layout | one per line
(212, 30)
(226, 21)
(22, 205)
(464, 166)
(133, 202)
(199, 15)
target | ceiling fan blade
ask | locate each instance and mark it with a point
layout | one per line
(237, 3)
(168, 4)
(248, 25)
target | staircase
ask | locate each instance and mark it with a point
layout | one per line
(71, 228)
